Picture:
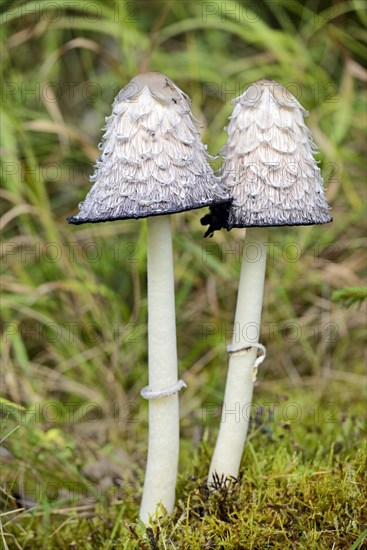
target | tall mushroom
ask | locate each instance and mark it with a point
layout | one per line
(153, 163)
(270, 173)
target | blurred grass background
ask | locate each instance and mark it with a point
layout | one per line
(73, 345)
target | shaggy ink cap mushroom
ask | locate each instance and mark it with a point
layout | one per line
(269, 169)
(152, 161)
(270, 173)
(154, 164)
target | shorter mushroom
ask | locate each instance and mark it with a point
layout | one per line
(270, 173)
(153, 163)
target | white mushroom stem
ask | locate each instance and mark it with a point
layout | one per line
(163, 445)
(241, 372)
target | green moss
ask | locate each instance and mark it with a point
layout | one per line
(288, 496)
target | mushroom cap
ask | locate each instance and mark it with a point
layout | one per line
(269, 169)
(152, 161)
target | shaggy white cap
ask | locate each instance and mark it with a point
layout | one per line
(153, 161)
(269, 168)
